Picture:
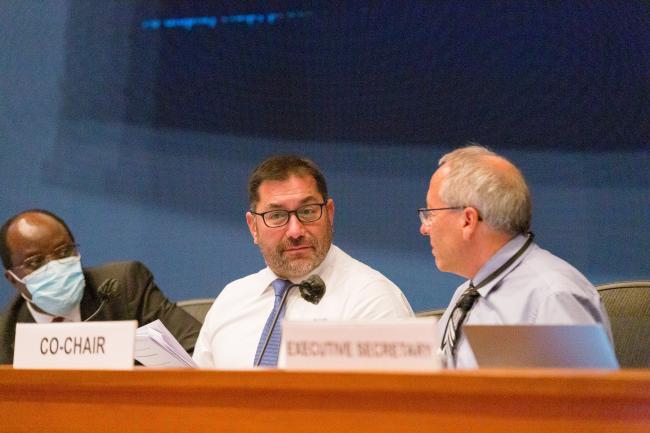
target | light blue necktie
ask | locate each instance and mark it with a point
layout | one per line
(270, 357)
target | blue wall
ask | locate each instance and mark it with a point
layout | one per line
(175, 199)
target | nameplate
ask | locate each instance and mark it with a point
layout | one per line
(396, 345)
(75, 345)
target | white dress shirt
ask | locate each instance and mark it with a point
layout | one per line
(538, 288)
(232, 328)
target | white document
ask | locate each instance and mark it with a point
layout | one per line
(155, 346)
(386, 345)
(75, 345)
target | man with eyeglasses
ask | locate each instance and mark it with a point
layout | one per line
(478, 219)
(290, 218)
(42, 261)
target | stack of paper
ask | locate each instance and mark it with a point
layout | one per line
(155, 346)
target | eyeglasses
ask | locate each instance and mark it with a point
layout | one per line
(305, 214)
(34, 262)
(427, 214)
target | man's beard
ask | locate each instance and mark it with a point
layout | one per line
(287, 267)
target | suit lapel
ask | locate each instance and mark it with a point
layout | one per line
(89, 303)
(17, 313)
(22, 313)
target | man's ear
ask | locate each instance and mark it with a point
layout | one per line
(470, 222)
(17, 284)
(252, 226)
(330, 211)
(12, 280)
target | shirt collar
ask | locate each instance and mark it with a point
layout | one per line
(498, 259)
(73, 315)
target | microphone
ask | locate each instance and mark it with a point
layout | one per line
(312, 290)
(107, 291)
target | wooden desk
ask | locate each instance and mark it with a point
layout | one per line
(146, 400)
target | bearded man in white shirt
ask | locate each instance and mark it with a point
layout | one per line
(291, 219)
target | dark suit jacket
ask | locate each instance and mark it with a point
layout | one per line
(139, 299)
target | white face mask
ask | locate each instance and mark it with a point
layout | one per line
(57, 286)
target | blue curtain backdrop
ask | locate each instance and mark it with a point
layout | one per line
(91, 126)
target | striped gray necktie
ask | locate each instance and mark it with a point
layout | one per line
(456, 319)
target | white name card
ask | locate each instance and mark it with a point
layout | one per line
(396, 345)
(75, 345)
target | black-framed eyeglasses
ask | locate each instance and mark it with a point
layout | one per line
(34, 262)
(426, 214)
(308, 213)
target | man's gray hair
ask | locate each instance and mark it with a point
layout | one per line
(501, 197)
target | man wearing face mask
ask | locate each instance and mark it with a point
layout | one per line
(42, 261)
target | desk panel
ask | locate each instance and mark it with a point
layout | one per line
(147, 400)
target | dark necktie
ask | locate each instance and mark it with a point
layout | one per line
(57, 319)
(270, 355)
(456, 319)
